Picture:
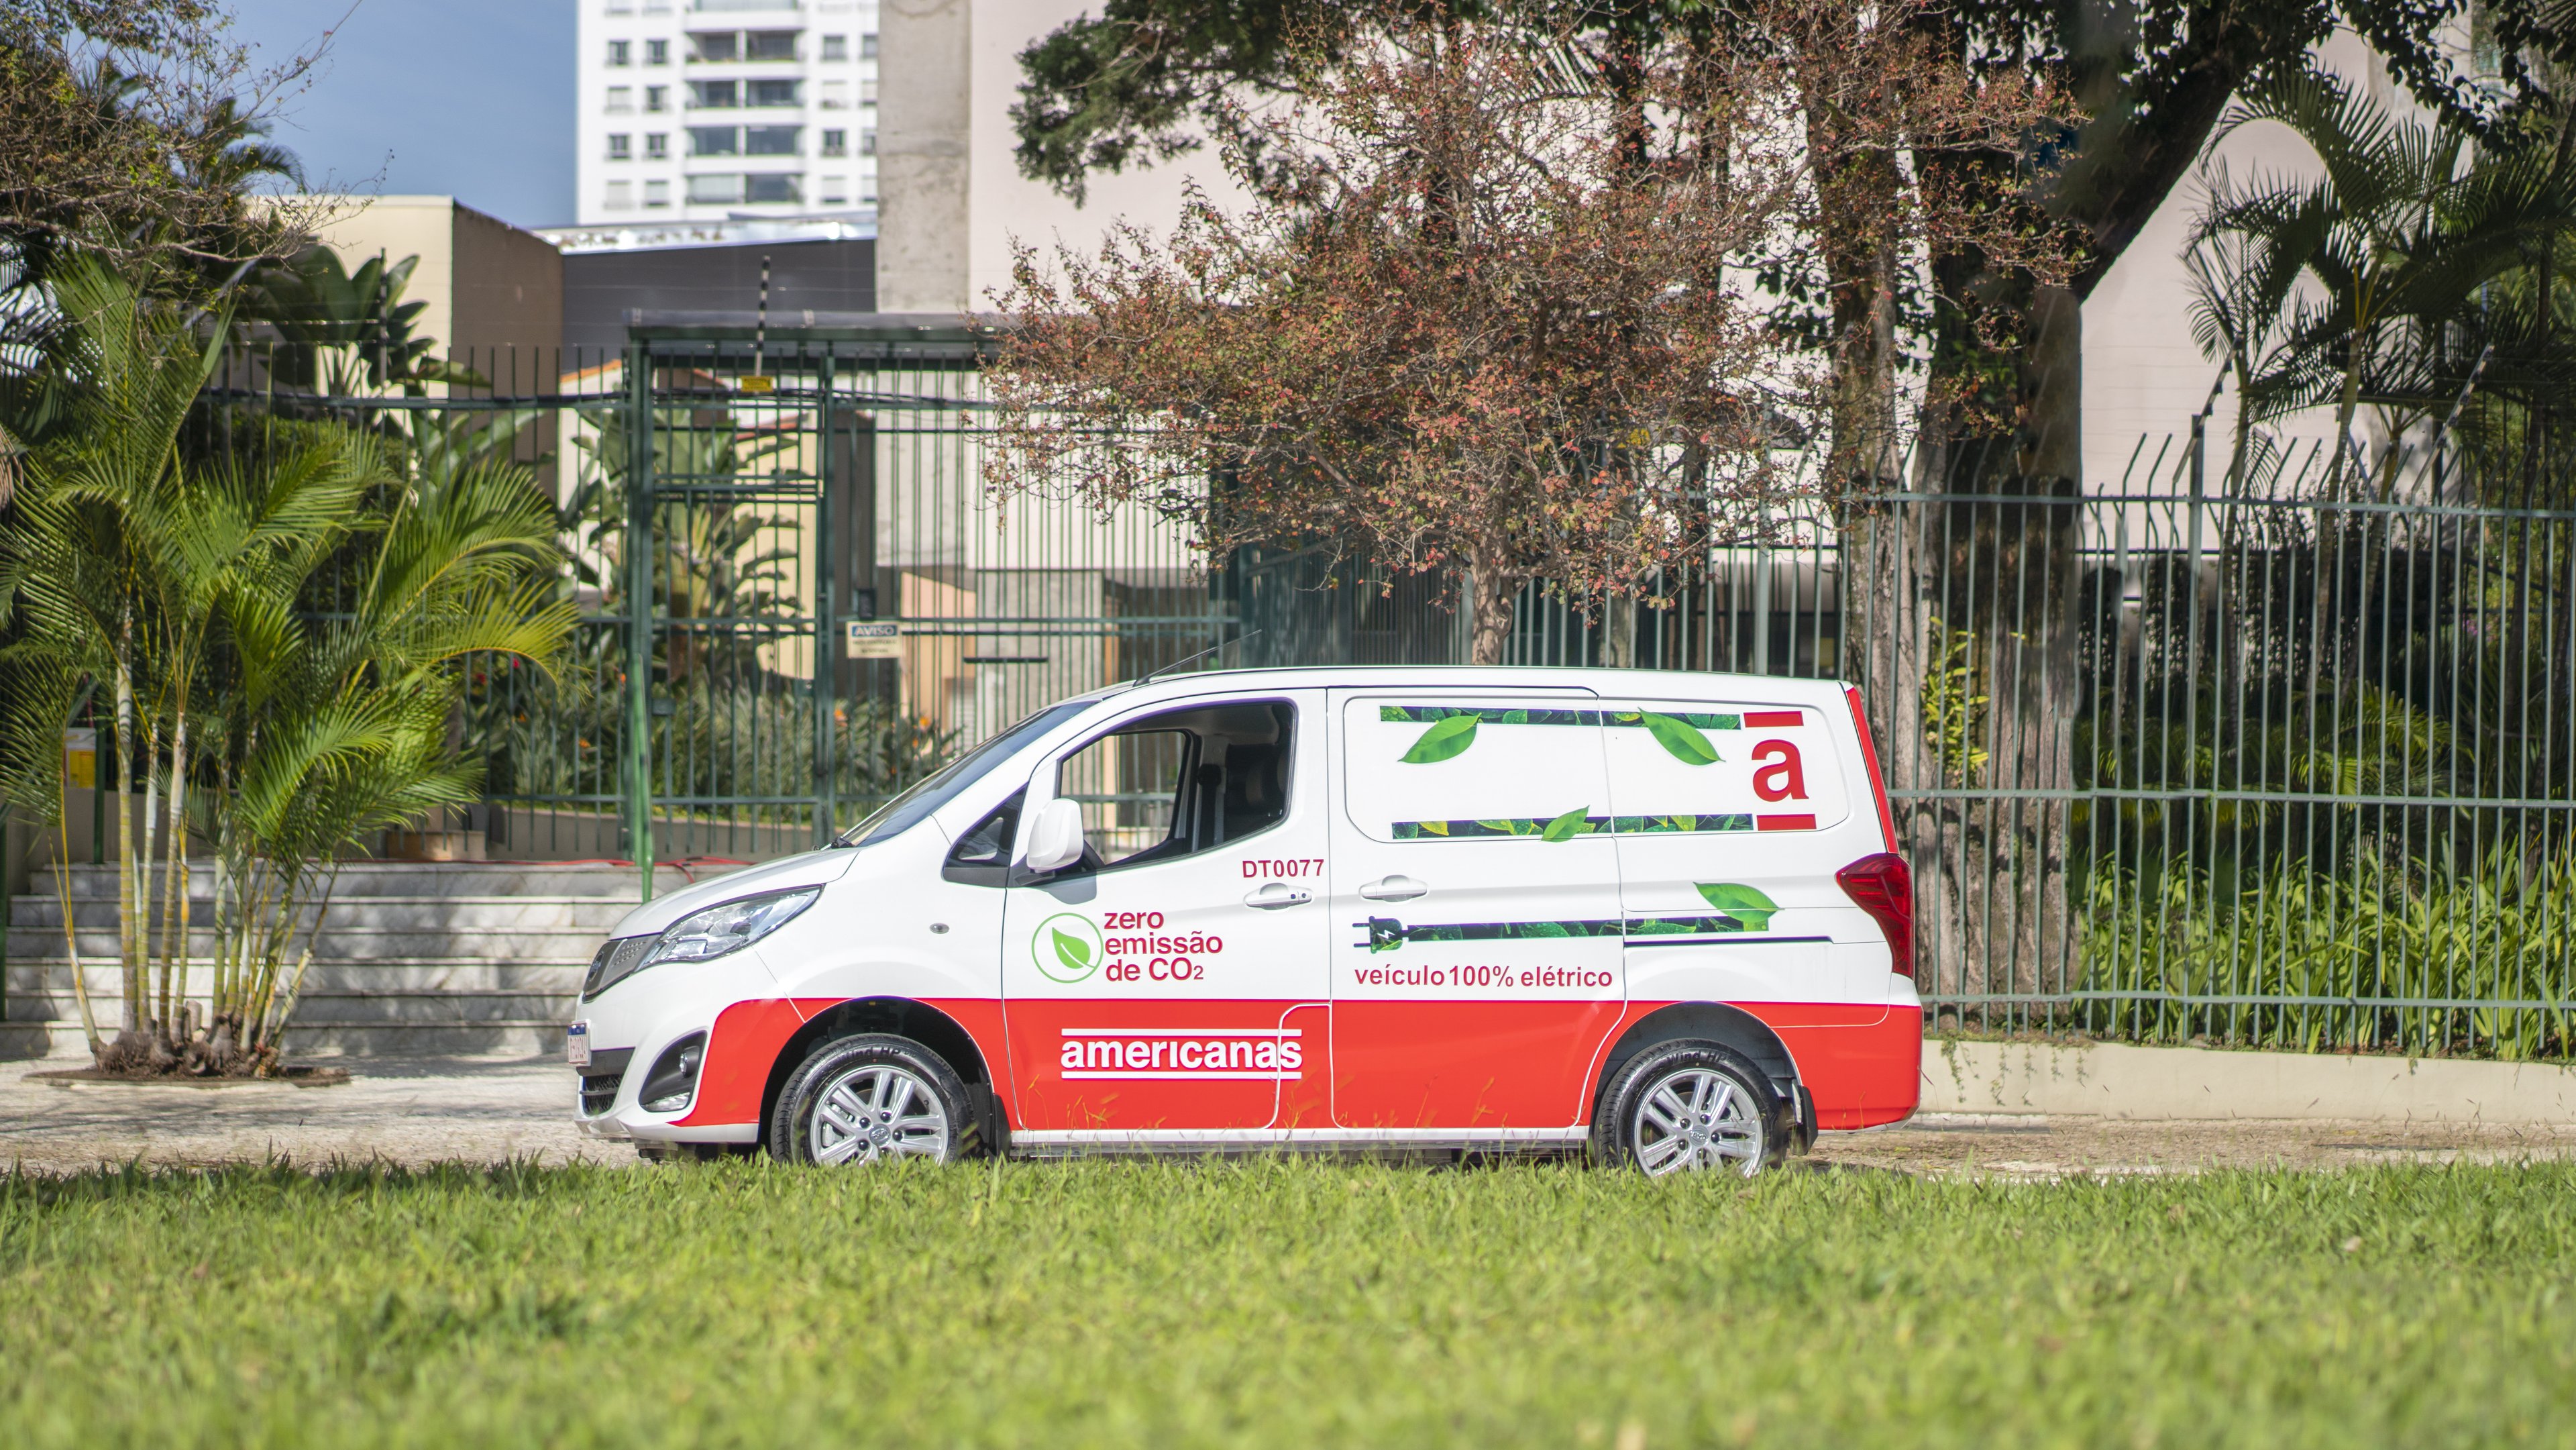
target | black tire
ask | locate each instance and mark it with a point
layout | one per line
(907, 1083)
(1746, 1128)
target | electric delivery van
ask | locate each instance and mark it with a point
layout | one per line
(1653, 916)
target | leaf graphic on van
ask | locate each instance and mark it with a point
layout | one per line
(1444, 740)
(1741, 902)
(1073, 951)
(1566, 826)
(1680, 739)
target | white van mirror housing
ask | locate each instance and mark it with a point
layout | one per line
(1055, 838)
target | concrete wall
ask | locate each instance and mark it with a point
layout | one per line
(2109, 1080)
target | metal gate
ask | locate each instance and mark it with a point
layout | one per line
(799, 599)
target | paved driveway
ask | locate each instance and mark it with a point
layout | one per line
(489, 1109)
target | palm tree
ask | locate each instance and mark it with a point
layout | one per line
(262, 708)
(2371, 286)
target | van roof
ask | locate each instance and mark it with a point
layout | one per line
(1594, 678)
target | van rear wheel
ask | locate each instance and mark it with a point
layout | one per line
(1689, 1107)
(871, 1098)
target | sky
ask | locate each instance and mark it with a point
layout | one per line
(465, 98)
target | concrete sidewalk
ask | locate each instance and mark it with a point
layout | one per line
(411, 1111)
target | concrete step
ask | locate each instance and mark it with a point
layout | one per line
(307, 1041)
(426, 878)
(335, 944)
(414, 957)
(370, 913)
(28, 981)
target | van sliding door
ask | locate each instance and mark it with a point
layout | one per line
(1475, 909)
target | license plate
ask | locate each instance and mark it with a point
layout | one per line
(577, 1044)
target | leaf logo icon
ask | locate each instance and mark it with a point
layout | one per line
(1068, 948)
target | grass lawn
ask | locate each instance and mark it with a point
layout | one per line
(1290, 1304)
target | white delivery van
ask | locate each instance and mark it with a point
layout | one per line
(1655, 915)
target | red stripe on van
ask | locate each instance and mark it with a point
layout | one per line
(1784, 823)
(1773, 719)
(1869, 756)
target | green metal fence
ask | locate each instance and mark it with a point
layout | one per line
(2281, 760)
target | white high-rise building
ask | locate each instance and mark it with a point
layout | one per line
(710, 110)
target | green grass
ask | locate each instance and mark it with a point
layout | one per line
(1290, 1304)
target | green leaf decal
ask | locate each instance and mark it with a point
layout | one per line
(1443, 741)
(1741, 902)
(1074, 952)
(1435, 828)
(1681, 740)
(1565, 827)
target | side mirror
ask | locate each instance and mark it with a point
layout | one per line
(1055, 838)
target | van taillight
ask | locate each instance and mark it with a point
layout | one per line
(1882, 886)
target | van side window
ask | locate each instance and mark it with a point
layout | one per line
(982, 856)
(1181, 782)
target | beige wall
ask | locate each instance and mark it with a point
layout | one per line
(1007, 207)
(487, 284)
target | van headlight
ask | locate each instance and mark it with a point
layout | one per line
(703, 936)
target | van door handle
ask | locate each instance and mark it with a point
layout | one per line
(1274, 896)
(1393, 888)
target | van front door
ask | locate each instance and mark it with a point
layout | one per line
(1152, 991)
(1475, 909)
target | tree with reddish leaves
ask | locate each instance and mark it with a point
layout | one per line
(1490, 315)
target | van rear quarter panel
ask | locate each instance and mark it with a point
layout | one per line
(1816, 970)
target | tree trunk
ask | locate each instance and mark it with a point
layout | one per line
(1989, 849)
(1491, 592)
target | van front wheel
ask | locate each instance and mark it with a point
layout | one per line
(870, 1098)
(1688, 1107)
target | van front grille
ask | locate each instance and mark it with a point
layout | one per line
(601, 1078)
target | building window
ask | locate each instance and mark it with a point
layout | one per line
(657, 98)
(715, 95)
(836, 143)
(836, 47)
(867, 47)
(715, 190)
(775, 188)
(657, 147)
(834, 96)
(717, 46)
(769, 45)
(621, 98)
(715, 140)
(617, 52)
(657, 52)
(773, 93)
(868, 142)
(867, 93)
(836, 191)
(771, 140)
(621, 195)
(620, 148)
(657, 193)
(621, 7)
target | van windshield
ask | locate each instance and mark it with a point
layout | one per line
(933, 791)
